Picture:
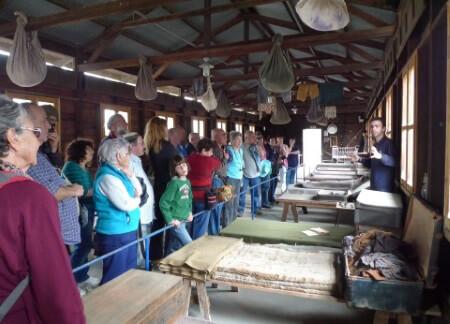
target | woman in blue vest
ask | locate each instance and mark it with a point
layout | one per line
(117, 197)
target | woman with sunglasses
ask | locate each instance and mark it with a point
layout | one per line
(31, 244)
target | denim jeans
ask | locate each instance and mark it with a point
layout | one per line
(120, 262)
(214, 219)
(273, 189)
(199, 225)
(265, 190)
(231, 207)
(292, 174)
(254, 194)
(81, 250)
(178, 237)
(146, 230)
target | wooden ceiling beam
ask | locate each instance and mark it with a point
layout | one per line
(297, 72)
(374, 21)
(193, 13)
(371, 43)
(86, 13)
(251, 47)
(273, 21)
(364, 54)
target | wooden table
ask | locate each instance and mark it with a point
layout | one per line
(291, 201)
(137, 296)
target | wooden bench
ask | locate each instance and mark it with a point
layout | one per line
(137, 296)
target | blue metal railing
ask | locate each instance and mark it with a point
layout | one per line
(147, 237)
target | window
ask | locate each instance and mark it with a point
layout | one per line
(389, 114)
(110, 110)
(379, 110)
(222, 124)
(169, 117)
(238, 127)
(40, 101)
(408, 125)
(198, 126)
(251, 128)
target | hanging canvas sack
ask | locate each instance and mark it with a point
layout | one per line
(197, 87)
(323, 121)
(208, 99)
(276, 74)
(315, 112)
(25, 65)
(223, 106)
(145, 86)
(323, 15)
(280, 116)
(286, 96)
(263, 95)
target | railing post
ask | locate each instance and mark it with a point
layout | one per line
(252, 201)
(147, 254)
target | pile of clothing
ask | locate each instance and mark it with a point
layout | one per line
(381, 256)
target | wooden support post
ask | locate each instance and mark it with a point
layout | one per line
(187, 294)
(294, 212)
(203, 300)
(285, 211)
(234, 289)
(381, 318)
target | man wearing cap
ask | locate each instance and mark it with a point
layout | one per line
(147, 207)
(266, 170)
(50, 147)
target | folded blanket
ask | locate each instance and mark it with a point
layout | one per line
(197, 259)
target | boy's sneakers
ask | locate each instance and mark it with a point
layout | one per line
(92, 282)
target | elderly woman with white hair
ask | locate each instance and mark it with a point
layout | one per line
(117, 197)
(32, 251)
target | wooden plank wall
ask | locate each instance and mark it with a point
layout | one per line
(80, 108)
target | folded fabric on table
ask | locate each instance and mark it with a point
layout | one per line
(283, 268)
(197, 259)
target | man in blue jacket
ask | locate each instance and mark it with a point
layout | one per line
(382, 158)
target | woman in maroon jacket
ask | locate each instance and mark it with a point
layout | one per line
(202, 165)
(30, 232)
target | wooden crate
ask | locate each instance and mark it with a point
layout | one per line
(137, 296)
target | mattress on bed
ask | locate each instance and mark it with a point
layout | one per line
(282, 268)
(273, 232)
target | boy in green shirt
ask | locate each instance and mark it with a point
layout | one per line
(176, 204)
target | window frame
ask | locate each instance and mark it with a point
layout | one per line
(220, 122)
(37, 98)
(407, 127)
(389, 113)
(447, 142)
(116, 108)
(166, 115)
(198, 119)
(239, 127)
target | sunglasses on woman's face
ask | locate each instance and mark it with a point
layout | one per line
(36, 131)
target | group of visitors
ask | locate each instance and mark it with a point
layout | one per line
(53, 205)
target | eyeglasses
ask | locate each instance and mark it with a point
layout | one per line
(36, 131)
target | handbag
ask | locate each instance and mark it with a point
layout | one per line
(210, 199)
(225, 193)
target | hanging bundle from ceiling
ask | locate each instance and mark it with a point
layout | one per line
(197, 87)
(315, 112)
(208, 99)
(25, 65)
(330, 111)
(281, 115)
(323, 121)
(323, 15)
(286, 96)
(276, 74)
(223, 109)
(263, 94)
(145, 85)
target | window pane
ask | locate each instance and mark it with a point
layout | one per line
(410, 165)
(124, 115)
(403, 157)
(170, 122)
(42, 103)
(107, 114)
(404, 100)
(20, 101)
(201, 131)
(411, 92)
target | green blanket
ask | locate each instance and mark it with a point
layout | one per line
(273, 232)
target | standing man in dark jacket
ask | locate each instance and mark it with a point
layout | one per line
(382, 158)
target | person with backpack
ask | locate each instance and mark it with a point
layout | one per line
(36, 281)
